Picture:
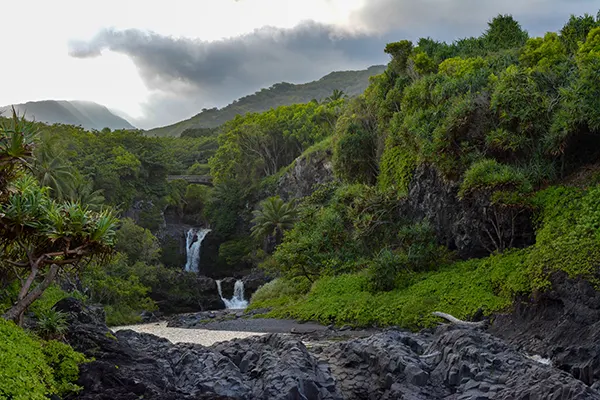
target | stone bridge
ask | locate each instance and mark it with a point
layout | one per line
(199, 179)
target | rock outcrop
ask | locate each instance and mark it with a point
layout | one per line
(472, 226)
(455, 362)
(561, 324)
(187, 292)
(306, 173)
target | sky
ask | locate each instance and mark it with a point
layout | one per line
(158, 62)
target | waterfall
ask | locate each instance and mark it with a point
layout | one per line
(193, 242)
(237, 302)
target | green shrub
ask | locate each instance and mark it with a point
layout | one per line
(117, 285)
(51, 324)
(568, 237)
(236, 251)
(64, 362)
(383, 271)
(137, 243)
(49, 298)
(490, 175)
(279, 292)
(199, 169)
(461, 289)
(24, 373)
(397, 168)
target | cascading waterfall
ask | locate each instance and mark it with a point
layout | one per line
(193, 242)
(237, 302)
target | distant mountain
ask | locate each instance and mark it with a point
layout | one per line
(87, 114)
(351, 82)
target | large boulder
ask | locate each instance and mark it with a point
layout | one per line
(209, 256)
(253, 281)
(187, 292)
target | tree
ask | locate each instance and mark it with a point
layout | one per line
(336, 95)
(51, 170)
(16, 145)
(137, 243)
(38, 235)
(504, 33)
(576, 30)
(274, 218)
(399, 51)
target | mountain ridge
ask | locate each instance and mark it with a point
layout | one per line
(88, 114)
(352, 83)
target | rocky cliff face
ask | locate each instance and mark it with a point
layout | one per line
(474, 227)
(455, 362)
(306, 173)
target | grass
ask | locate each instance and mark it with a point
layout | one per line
(462, 289)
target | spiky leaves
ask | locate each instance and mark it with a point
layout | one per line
(38, 235)
(274, 218)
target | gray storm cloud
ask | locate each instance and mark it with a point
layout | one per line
(193, 73)
(189, 74)
(452, 19)
(264, 56)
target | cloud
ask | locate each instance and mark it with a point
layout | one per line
(215, 73)
(187, 74)
(452, 19)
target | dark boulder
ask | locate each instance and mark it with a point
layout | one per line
(227, 287)
(561, 324)
(209, 256)
(253, 281)
(187, 292)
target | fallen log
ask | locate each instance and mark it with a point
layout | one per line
(457, 321)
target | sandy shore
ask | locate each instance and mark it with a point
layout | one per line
(179, 335)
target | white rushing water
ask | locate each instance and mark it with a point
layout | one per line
(237, 302)
(193, 242)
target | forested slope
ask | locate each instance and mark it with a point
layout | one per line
(456, 152)
(352, 83)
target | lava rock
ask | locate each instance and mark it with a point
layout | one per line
(548, 323)
(455, 362)
(464, 225)
(307, 172)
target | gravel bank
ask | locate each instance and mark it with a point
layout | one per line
(179, 335)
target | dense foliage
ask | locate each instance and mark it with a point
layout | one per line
(505, 116)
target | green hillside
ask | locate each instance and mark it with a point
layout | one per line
(351, 82)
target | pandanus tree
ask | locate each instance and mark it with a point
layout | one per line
(39, 236)
(273, 218)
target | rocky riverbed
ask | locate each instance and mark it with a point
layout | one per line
(452, 362)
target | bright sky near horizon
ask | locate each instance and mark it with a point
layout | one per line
(162, 61)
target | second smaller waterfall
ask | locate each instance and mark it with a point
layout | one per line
(237, 302)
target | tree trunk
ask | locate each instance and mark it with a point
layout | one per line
(15, 313)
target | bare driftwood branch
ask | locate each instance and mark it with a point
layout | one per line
(425, 356)
(457, 321)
